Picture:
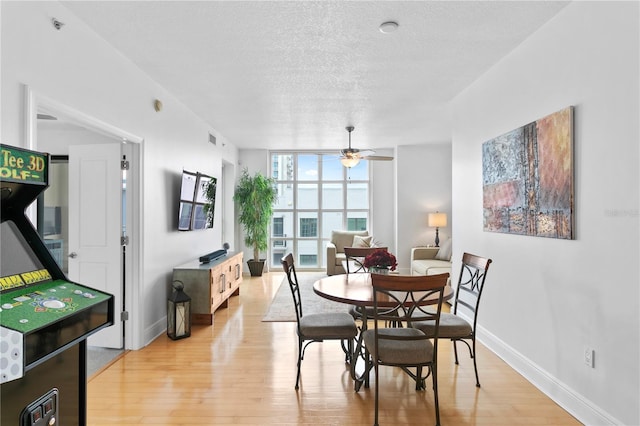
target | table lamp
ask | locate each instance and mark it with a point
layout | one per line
(437, 220)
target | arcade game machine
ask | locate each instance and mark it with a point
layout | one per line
(45, 319)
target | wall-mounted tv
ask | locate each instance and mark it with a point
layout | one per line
(195, 210)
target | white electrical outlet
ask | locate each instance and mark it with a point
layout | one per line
(589, 357)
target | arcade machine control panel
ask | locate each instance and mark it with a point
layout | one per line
(41, 319)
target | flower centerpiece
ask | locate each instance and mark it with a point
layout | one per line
(380, 262)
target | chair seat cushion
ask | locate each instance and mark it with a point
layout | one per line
(408, 352)
(451, 326)
(328, 326)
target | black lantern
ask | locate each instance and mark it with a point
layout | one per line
(178, 313)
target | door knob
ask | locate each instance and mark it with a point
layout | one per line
(73, 255)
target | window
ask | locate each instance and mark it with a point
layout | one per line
(278, 231)
(308, 260)
(316, 195)
(356, 224)
(308, 227)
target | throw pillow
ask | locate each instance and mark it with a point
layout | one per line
(445, 251)
(342, 239)
(375, 243)
(359, 241)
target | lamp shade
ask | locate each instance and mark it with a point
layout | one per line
(437, 220)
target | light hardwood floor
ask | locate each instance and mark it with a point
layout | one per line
(241, 371)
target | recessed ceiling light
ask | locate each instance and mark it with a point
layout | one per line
(388, 27)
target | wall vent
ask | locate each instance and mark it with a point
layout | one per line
(212, 139)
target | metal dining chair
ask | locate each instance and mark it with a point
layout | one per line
(400, 299)
(354, 262)
(317, 327)
(471, 279)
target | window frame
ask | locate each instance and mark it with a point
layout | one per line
(285, 173)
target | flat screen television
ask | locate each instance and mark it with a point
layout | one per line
(195, 211)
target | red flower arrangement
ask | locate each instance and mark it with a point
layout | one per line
(381, 259)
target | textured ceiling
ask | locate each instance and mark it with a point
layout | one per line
(275, 74)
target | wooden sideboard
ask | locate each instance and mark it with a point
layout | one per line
(210, 284)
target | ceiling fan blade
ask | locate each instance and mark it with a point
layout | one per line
(43, 116)
(366, 153)
(377, 158)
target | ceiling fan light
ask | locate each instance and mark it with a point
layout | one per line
(349, 162)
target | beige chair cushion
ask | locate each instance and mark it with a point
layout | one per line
(410, 352)
(451, 326)
(328, 325)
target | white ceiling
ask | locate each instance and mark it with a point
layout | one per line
(292, 75)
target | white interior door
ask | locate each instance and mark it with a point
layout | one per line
(95, 206)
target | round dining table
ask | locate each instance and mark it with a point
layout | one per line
(356, 289)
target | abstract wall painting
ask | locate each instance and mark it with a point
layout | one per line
(527, 179)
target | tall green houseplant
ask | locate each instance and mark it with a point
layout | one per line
(210, 195)
(255, 196)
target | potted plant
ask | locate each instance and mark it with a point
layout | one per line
(210, 195)
(380, 262)
(255, 196)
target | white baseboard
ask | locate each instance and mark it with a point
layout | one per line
(156, 329)
(578, 406)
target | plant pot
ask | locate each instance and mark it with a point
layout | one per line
(256, 267)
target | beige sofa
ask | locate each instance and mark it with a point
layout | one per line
(335, 249)
(431, 260)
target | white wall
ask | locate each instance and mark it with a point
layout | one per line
(424, 186)
(383, 208)
(77, 69)
(548, 299)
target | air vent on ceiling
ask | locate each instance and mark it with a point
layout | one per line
(212, 139)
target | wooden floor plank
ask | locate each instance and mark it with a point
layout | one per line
(241, 371)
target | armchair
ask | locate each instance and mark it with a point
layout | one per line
(335, 249)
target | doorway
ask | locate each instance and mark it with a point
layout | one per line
(59, 130)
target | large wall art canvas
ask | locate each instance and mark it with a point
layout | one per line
(527, 178)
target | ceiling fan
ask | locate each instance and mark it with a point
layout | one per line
(350, 157)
